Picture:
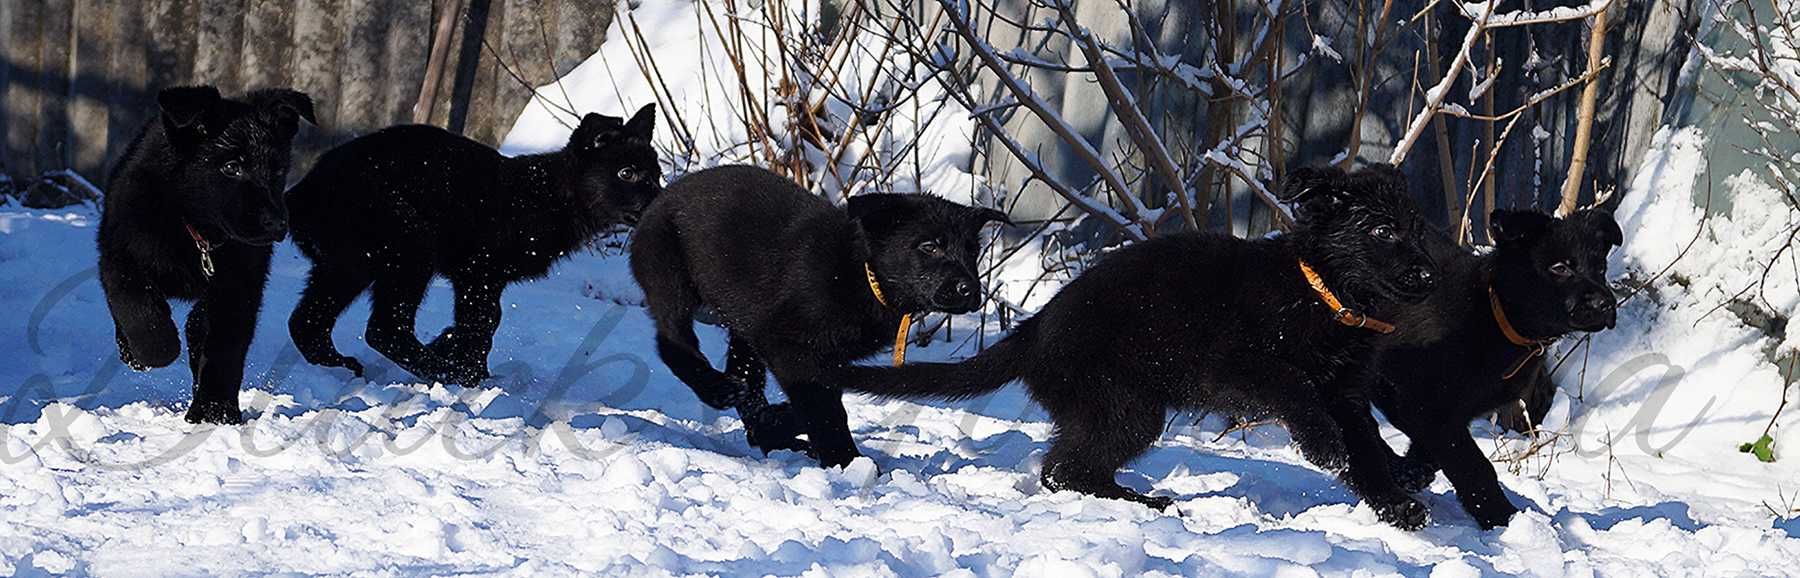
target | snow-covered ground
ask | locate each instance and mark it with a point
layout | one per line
(585, 455)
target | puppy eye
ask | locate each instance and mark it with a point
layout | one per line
(1384, 233)
(931, 248)
(630, 175)
(1561, 269)
(233, 168)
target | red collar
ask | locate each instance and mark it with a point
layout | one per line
(205, 247)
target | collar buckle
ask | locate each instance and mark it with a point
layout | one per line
(205, 247)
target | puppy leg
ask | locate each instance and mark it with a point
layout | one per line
(329, 290)
(397, 292)
(143, 325)
(1094, 440)
(820, 409)
(742, 364)
(1415, 471)
(465, 345)
(1477, 485)
(766, 427)
(220, 329)
(1369, 473)
(680, 350)
(1290, 394)
(672, 303)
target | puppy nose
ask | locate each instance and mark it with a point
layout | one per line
(963, 288)
(1598, 300)
(1421, 276)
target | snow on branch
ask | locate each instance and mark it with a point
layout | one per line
(1475, 10)
(1483, 18)
(1126, 106)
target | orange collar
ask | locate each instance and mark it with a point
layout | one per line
(1536, 346)
(1343, 315)
(905, 318)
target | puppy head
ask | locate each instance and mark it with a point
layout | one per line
(230, 158)
(1365, 230)
(1553, 271)
(923, 249)
(617, 174)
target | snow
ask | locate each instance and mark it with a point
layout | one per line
(703, 89)
(586, 456)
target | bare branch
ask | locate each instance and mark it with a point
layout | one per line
(1132, 115)
(1584, 127)
(1132, 208)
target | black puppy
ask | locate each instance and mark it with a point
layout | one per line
(1478, 342)
(192, 210)
(392, 209)
(801, 285)
(1211, 322)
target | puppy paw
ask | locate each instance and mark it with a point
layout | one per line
(344, 361)
(350, 363)
(1493, 516)
(796, 445)
(722, 396)
(214, 412)
(467, 375)
(157, 353)
(1158, 503)
(837, 458)
(128, 360)
(1332, 458)
(1412, 475)
(1404, 513)
(775, 427)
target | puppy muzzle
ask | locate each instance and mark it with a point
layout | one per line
(957, 296)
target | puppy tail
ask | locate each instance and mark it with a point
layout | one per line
(987, 371)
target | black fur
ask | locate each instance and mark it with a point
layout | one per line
(388, 211)
(1452, 367)
(217, 165)
(784, 270)
(1211, 322)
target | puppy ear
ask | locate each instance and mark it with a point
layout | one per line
(878, 212)
(979, 216)
(596, 130)
(1600, 223)
(1508, 226)
(1312, 190)
(295, 103)
(186, 107)
(1383, 171)
(1308, 182)
(642, 123)
(285, 107)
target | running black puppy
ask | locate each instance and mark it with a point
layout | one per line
(1211, 322)
(392, 209)
(802, 286)
(192, 210)
(1479, 340)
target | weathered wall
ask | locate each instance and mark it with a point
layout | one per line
(79, 77)
(1647, 41)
